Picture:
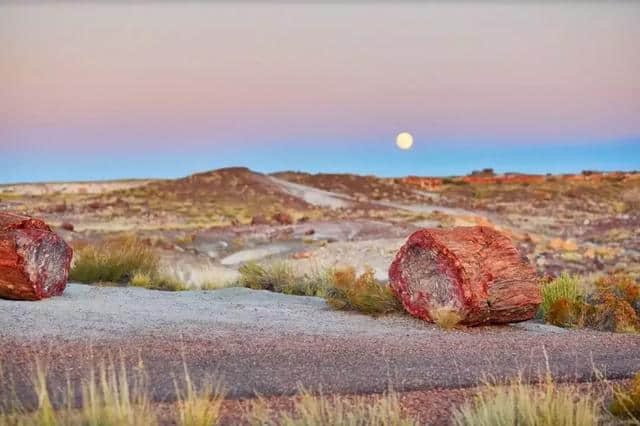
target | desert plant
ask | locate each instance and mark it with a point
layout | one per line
(198, 406)
(116, 261)
(275, 277)
(142, 279)
(361, 293)
(317, 410)
(445, 318)
(615, 303)
(109, 398)
(626, 401)
(518, 403)
(562, 300)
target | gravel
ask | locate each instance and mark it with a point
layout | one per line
(267, 343)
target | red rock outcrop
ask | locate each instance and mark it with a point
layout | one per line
(474, 271)
(34, 261)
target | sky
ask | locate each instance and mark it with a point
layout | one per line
(163, 89)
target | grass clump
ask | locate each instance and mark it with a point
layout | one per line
(626, 401)
(318, 410)
(518, 403)
(562, 300)
(280, 278)
(109, 398)
(115, 261)
(341, 288)
(361, 293)
(198, 406)
(276, 277)
(446, 318)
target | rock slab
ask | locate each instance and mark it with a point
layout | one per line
(34, 261)
(474, 271)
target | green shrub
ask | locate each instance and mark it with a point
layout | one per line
(518, 403)
(115, 261)
(363, 293)
(562, 300)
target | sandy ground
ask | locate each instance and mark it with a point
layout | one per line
(266, 343)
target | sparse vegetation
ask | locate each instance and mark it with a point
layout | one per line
(626, 401)
(361, 293)
(446, 318)
(319, 410)
(198, 406)
(116, 261)
(109, 398)
(615, 303)
(342, 288)
(518, 403)
(280, 278)
(562, 300)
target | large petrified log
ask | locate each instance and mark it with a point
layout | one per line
(34, 261)
(474, 271)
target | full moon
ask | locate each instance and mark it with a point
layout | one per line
(404, 140)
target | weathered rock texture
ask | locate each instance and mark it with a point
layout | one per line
(474, 271)
(34, 261)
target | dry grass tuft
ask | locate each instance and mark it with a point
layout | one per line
(109, 398)
(320, 410)
(198, 406)
(279, 278)
(626, 402)
(115, 261)
(361, 293)
(445, 318)
(518, 403)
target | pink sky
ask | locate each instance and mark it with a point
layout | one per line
(74, 75)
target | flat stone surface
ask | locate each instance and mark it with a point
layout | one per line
(257, 341)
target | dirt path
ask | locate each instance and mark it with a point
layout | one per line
(270, 343)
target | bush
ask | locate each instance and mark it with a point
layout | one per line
(615, 303)
(562, 301)
(363, 293)
(626, 402)
(115, 261)
(518, 403)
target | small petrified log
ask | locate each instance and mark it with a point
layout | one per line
(474, 271)
(34, 261)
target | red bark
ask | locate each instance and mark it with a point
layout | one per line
(34, 261)
(475, 271)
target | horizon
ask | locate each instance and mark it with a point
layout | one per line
(161, 90)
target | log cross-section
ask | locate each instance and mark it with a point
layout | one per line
(474, 271)
(34, 261)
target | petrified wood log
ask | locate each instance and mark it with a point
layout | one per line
(34, 261)
(474, 271)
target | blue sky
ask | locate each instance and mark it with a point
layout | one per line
(383, 160)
